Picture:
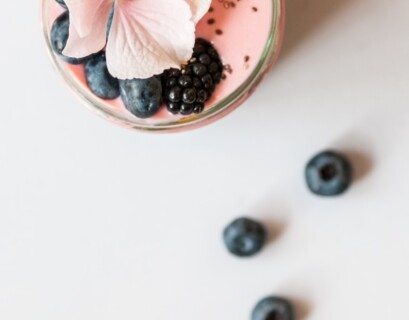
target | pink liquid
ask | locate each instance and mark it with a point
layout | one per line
(239, 30)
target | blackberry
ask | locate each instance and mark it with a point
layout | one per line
(187, 89)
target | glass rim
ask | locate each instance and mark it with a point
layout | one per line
(217, 111)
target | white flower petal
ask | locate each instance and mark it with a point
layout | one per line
(149, 36)
(84, 13)
(199, 8)
(79, 46)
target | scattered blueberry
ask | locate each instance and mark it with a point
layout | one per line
(273, 308)
(142, 97)
(244, 237)
(59, 37)
(188, 89)
(99, 80)
(328, 174)
(62, 3)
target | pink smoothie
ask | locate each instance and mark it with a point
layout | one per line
(239, 30)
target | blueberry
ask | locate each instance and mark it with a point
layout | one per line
(328, 174)
(99, 80)
(142, 97)
(273, 308)
(244, 237)
(59, 37)
(61, 3)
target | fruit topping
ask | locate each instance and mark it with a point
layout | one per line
(328, 173)
(99, 80)
(187, 90)
(244, 237)
(142, 97)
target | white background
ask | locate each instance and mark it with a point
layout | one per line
(98, 222)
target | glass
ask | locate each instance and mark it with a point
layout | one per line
(212, 113)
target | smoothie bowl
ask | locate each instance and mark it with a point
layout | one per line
(235, 44)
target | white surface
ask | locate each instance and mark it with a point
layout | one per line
(98, 222)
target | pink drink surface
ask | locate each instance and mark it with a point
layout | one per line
(239, 30)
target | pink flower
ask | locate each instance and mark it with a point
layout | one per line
(146, 36)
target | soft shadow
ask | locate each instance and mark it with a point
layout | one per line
(302, 308)
(273, 213)
(304, 17)
(361, 163)
(275, 228)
